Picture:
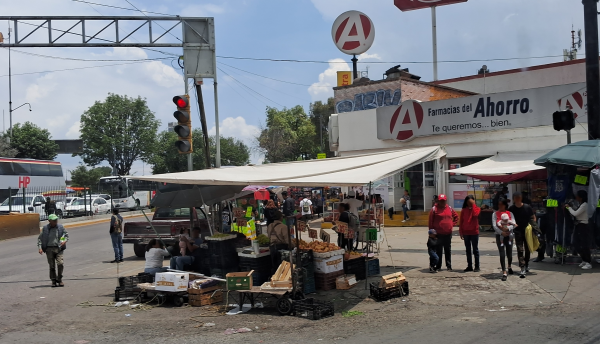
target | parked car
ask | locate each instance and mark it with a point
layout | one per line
(34, 203)
(82, 207)
(167, 222)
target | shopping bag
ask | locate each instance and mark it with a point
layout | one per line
(531, 239)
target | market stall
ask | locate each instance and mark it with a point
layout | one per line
(327, 259)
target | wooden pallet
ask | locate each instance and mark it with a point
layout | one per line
(209, 298)
(392, 280)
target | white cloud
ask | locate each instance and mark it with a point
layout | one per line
(323, 89)
(366, 56)
(239, 129)
(508, 17)
(73, 132)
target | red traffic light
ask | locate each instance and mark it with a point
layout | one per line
(181, 101)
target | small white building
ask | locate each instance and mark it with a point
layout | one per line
(512, 114)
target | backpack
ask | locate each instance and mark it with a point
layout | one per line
(305, 206)
(118, 226)
(354, 221)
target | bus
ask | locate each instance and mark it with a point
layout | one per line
(37, 176)
(127, 193)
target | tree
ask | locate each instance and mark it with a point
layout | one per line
(119, 130)
(6, 151)
(166, 158)
(32, 142)
(319, 116)
(81, 176)
(288, 135)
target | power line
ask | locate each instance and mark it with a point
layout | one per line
(69, 69)
(248, 88)
(266, 77)
(383, 62)
(142, 12)
(274, 89)
(121, 8)
(89, 60)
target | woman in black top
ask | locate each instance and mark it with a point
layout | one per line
(270, 211)
(344, 217)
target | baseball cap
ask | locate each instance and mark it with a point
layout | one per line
(52, 217)
(431, 231)
(442, 197)
(504, 217)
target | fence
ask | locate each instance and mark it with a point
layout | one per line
(34, 199)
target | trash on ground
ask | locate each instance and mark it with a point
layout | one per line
(208, 325)
(239, 330)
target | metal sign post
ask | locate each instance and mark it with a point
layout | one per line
(434, 41)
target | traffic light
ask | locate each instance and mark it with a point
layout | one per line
(563, 120)
(184, 124)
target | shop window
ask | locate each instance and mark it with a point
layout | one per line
(458, 163)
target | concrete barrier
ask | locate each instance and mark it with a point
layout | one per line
(16, 225)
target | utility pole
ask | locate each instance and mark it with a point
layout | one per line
(9, 89)
(592, 68)
(434, 40)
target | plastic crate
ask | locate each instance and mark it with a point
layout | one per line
(327, 281)
(221, 272)
(373, 267)
(223, 254)
(308, 281)
(125, 294)
(355, 267)
(130, 282)
(384, 294)
(313, 309)
(306, 257)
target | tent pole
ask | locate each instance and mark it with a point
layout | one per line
(207, 220)
(368, 241)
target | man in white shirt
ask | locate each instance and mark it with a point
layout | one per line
(306, 208)
(353, 203)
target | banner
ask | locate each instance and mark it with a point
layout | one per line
(480, 113)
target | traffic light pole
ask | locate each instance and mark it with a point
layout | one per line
(592, 67)
(204, 127)
(568, 137)
(217, 135)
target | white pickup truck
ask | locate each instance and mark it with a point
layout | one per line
(34, 203)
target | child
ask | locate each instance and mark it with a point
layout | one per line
(432, 249)
(507, 226)
(185, 232)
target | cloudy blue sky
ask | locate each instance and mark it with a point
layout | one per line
(274, 29)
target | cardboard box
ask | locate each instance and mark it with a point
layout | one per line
(328, 265)
(239, 280)
(172, 281)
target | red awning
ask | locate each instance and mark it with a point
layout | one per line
(262, 195)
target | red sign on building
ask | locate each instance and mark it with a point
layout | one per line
(409, 5)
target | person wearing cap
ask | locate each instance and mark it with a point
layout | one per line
(53, 241)
(442, 218)
(432, 249)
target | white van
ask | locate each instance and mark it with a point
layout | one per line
(34, 203)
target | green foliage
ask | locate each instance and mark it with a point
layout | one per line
(82, 176)
(319, 116)
(119, 130)
(166, 158)
(289, 135)
(6, 151)
(32, 142)
(348, 314)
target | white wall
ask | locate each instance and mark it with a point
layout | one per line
(565, 73)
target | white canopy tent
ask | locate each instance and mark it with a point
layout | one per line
(343, 171)
(502, 167)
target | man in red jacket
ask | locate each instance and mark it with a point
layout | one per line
(442, 218)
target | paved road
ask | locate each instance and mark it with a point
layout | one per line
(445, 307)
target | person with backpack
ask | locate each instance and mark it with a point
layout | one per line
(116, 228)
(307, 209)
(53, 241)
(442, 218)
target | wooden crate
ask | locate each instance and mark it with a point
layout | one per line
(192, 291)
(345, 282)
(209, 298)
(392, 280)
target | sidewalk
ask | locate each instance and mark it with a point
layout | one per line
(546, 285)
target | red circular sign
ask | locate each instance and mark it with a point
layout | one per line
(406, 120)
(353, 32)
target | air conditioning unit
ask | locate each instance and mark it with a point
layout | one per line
(334, 133)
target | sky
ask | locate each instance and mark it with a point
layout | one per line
(60, 89)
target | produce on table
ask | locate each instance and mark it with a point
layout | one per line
(318, 246)
(263, 240)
